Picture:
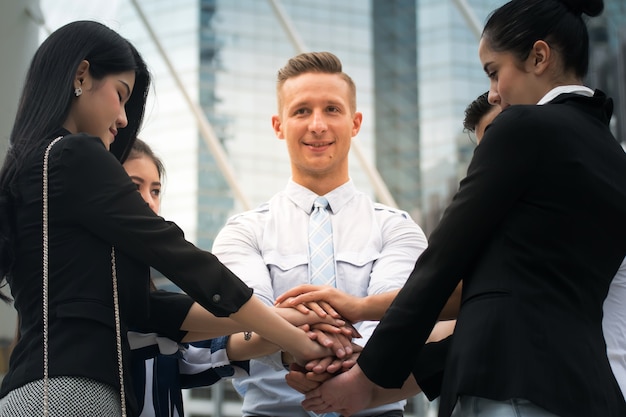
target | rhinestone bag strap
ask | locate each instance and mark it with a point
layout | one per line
(46, 395)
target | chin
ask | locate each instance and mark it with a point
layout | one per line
(106, 143)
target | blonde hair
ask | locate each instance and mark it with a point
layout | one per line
(320, 62)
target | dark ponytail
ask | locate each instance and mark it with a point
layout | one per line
(589, 7)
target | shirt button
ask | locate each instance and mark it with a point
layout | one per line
(217, 298)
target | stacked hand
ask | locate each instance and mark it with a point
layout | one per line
(324, 323)
(323, 300)
(322, 303)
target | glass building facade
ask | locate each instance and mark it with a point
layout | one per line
(426, 71)
(415, 65)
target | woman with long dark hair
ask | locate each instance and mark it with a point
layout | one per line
(77, 240)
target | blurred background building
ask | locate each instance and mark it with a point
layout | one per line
(214, 64)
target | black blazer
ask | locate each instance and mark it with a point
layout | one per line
(536, 231)
(93, 205)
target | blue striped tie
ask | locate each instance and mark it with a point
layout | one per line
(321, 254)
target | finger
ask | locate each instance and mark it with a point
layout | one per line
(283, 303)
(329, 309)
(312, 334)
(323, 364)
(295, 291)
(327, 328)
(332, 342)
(354, 333)
(314, 305)
(321, 292)
(335, 366)
(347, 364)
(311, 364)
(318, 377)
(345, 342)
(302, 308)
(299, 382)
(317, 405)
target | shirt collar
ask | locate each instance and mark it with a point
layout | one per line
(304, 198)
(562, 89)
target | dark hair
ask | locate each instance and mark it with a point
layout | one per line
(322, 62)
(47, 96)
(517, 25)
(141, 148)
(475, 111)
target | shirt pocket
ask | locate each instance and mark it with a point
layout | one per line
(286, 271)
(354, 269)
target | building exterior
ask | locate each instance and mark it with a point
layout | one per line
(415, 65)
(18, 31)
(607, 60)
(426, 72)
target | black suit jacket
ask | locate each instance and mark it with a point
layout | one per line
(537, 231)
(93, 205)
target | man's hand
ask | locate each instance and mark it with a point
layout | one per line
(303, 381)
(347, 393)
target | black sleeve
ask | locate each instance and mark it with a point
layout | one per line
(499, 173)
(106, 203)
(168, 311)
(429, 368)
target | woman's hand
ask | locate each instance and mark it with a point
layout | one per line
(338, 342)
(334, 365)
(302, 381)
(323, 300)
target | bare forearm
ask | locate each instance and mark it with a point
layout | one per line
(240, 349)
(257, 317)
(385, 396)
(201, 321)
(374, 306)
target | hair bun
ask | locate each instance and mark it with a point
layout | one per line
(588, 7)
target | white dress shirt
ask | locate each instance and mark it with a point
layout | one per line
(375, 251)
(614, 326)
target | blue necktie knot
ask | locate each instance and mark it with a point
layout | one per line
(320, 203)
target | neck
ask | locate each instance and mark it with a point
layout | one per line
(565, 79)
(321, 185)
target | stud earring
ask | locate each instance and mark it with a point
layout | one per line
(78, 91)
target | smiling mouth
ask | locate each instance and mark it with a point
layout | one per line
(319, 145)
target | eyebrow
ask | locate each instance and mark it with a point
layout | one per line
(141, 180)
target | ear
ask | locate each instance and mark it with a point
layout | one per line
(540, 57)
(277, 125)
(356, 123)
(82, 73)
